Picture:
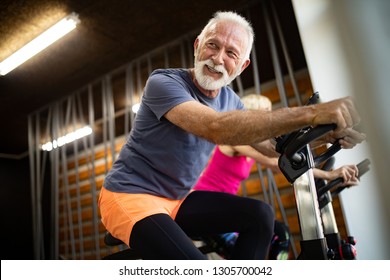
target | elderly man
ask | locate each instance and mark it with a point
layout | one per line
(146, 200)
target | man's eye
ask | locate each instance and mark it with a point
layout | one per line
(232, 54)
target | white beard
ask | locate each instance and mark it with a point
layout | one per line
(208, 82)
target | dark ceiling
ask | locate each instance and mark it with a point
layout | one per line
(110, 34)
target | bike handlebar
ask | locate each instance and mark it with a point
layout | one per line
(307, 137)
(363, 167)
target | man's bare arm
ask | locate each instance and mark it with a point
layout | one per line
(251, 126)
(238, 127)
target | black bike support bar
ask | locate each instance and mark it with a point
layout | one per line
(327, 154)
(306, 138)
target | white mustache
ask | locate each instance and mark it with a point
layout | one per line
(219, 68)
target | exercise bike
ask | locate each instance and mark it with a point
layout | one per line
(131, 254)
(343, 249)
(319, 234)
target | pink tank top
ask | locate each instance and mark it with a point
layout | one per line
(224, 173)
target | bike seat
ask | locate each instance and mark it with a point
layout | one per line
(110, 240)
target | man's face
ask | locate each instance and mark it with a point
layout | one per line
(219, 57)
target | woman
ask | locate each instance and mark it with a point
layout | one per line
(230, 165)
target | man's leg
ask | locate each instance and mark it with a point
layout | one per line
(159, 237)
(206, 213)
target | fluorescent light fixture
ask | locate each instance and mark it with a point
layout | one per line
(70, 137)
(41, 42)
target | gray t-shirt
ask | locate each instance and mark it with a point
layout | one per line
(160, 158)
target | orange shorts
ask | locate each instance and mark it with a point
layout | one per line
(120, 211)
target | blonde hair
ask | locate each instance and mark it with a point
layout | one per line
(256, 102)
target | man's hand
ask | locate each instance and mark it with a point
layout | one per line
(348, 138)
(343, 113)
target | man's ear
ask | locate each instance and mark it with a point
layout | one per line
(196, 43)
(245, 65)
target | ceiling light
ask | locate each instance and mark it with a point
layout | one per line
(68, 138)
(41, 42)
(135, 108)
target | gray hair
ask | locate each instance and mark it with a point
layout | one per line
(235, 18)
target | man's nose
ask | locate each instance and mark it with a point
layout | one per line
(218, 57)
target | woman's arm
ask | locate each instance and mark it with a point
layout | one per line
(349, 173)
(269, 162)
